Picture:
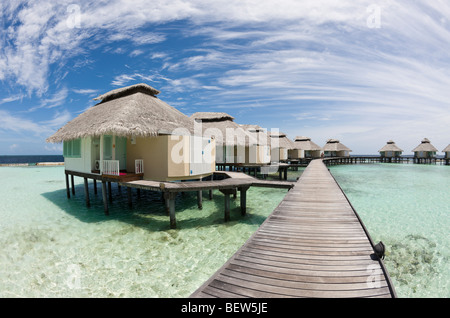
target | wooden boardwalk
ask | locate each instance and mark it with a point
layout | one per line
(312, 245)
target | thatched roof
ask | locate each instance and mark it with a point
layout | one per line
(447, 149)
(425, 145)
(335, 145)
(128, 111)
(282, 139)
(222, 127)
(390, 146)
(305, 143)
(211, 116)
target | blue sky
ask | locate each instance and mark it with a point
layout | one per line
(361, 71)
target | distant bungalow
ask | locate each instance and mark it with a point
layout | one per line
(129, 129)
(304, 148)
(232, 141)
(425, 150)
(280, 145)
(259, 152)
(390, 150)
(447, 152)
(333, 148)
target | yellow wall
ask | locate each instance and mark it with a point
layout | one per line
(165, 157)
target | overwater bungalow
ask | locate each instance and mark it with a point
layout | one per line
(334, 148)
(280, 145)
(446, 152)
(425, 150)
(303, 147)
(231, 140)
(259, 152)
(390, 150)
(132, 131)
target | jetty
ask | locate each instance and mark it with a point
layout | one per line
(312, 245)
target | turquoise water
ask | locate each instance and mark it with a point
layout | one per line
(408, 208)
(51, 246)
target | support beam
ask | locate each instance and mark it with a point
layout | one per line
(86, 192)
(67, 186)
(227, 193)
(130, 203)
(243, 196)
(170, 203)
(105, 198)
(73, 184)
(109, 192)
(95, 186)
(200, 199)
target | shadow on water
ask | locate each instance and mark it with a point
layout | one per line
(148, 211)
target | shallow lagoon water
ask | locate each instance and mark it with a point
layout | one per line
(408, 208)
(51, 246)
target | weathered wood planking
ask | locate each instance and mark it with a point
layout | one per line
(312, 245)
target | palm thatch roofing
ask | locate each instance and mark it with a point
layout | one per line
(447, 149)
(282, 139)
(425, 145)
(130, 111)
(335, 145)
(390, 146)
(222, 127)
(305, 143)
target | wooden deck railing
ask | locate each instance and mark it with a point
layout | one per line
(110, 167)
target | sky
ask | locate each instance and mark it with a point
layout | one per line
(363, 72)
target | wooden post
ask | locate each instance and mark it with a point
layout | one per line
(105, 198)
(210, 194)
(285, 173)
(73, 185)
(243, 196)
(227, 193)
(170, 203)
(67, 186)
(109, 192)
(200, 199)
(95, 186)
(86, 192)
(130, 203)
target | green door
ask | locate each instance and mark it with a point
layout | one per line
(107, 147)
(121, 152)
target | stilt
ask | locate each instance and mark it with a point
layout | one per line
(138, 193)
(67, 186)
(109, 192)
(210, 194)
(95, 186)
(200, 199)
(227, 193)
(73, 184)
(130, 203)
(285, 173)
(86, 192)
(170, 203)
(243, 196)
(105, 198)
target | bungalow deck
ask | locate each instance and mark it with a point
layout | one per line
(312, 245)
(227, 182)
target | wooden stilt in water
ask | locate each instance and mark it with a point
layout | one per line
(67, 186)
(227, 193)
(130, 203)
(243, 196)
(200, 199)
(105, 198)
(95, 186)
(210, 194)
(73, 184)
(86, 192)
(170, 203)
(109, 192)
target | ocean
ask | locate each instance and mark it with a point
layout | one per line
(51, 246)
(4, 160)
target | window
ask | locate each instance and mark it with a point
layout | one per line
(72, 148)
